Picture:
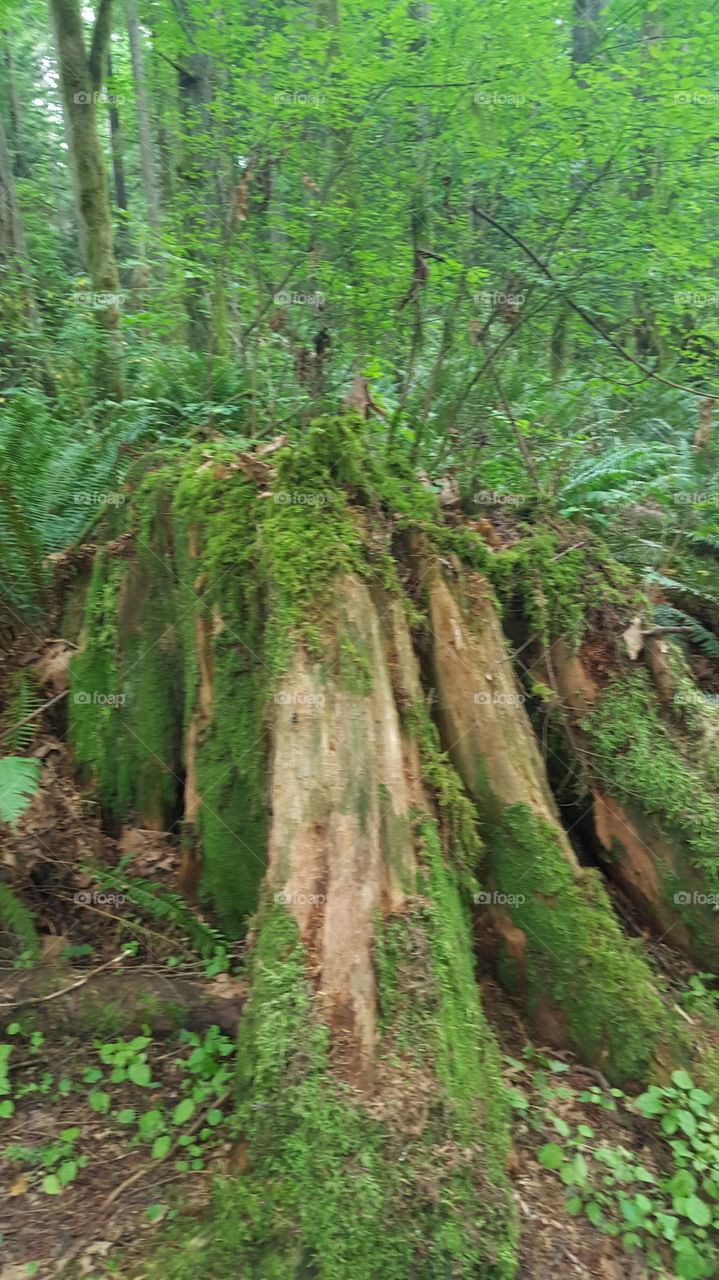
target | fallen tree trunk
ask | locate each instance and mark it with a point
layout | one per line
(297, 662)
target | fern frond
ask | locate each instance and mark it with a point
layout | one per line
(666, 615)
(160, 903)
(17, 919)
(18, 783)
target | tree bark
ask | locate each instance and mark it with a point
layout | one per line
(17, 284)
(149, 183)
(81, 77)
(118, 173)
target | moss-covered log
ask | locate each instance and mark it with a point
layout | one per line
(645, 738)
(323, 702)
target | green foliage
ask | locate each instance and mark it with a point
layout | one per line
(160, 903)
(190, 1128)
(56, 1164)
(675, 1210)
(15, 918)
(19, 779)
(23, 699)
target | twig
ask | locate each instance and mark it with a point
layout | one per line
(519, 437)
(584, 315)
(33, 714)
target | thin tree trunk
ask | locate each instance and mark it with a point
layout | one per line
(15, 278)
(118, 173)
(81, 76)
(149, 183)
(20, 165)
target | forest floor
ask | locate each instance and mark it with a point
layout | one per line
(75, 1120)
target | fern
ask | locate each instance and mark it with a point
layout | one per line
(19, 780)
(17, 919)
(160, 903)
(24, 699)
(667, 616)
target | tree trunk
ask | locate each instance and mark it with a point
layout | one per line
(81, 75)
(281, 633)
(143, 117)
(585, 30)
(118, 174)
(21, 168)
(19, 303)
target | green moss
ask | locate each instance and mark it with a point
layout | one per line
(355, 672)
(552, 583)
(125, 714)
(94, 675)
(458, 813)
(664, 769)
(334, 1188)
(577, 957)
